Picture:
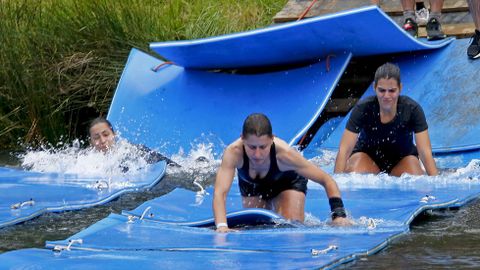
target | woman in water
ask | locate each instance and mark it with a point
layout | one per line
(271, 175)
(103, 138)
(379, 134)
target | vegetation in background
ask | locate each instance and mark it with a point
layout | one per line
(61, 59)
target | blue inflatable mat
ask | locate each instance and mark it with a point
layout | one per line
(26, 195)
(305, 40)
(199, 258)
(406, 198)
(442, 82)
(382, 208)
(184, 207)
(173, 109)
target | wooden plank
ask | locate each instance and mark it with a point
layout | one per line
(459, 30)
(456, 19)
(294, 8)
(447, 18)
(393, 7)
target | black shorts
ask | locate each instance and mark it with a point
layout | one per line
(270, 189)
(386, 162)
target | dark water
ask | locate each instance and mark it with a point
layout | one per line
(443, 240)
(448, 239)
(8, 158)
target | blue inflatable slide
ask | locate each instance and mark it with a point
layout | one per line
(187, 100)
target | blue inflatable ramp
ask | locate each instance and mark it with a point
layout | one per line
(442, 82)
(178, 108)
(382, 207)
(26, 195)
(302, 41)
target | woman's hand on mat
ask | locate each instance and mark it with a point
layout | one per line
(341, 221)
(224, 230)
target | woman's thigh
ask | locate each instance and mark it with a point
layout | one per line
(290, 204)
(361, 162)
(409, 164)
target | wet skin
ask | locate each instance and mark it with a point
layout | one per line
(102, 137)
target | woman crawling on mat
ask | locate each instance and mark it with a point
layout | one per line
(103, 138)
(271, 175)
(379, 134)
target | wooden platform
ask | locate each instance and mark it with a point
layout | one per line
(456, 20)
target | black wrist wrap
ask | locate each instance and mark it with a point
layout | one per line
(336, 206)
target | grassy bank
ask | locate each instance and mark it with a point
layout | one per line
(61, 59)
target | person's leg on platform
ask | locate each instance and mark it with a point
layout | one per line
(410, 24)
(473, 50)
(421, 13)
(434, 27)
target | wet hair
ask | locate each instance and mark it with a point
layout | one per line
(99, 120)
(257, 124)
(387, 71)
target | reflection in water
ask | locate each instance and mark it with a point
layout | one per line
(445, 239)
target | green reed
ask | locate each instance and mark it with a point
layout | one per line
(61, 59)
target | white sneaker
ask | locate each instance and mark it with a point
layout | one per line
(421, 16)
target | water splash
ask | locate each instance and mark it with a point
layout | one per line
(325, 159)
(125, 159)
(72, 159)
(471, 171)
(199, 166)
(463, 175)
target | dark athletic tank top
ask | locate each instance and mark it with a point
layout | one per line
(273, 174)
